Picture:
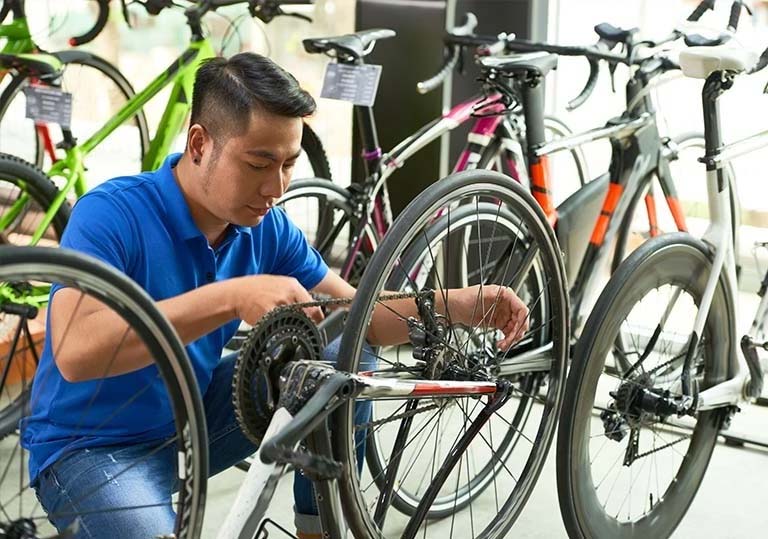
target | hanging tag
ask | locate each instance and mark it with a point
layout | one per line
(356, 84)
(48, 104)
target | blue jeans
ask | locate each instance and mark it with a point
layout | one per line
(84, 483)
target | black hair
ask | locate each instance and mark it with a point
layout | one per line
(226, 91)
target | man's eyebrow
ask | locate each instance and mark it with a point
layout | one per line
(270, 155)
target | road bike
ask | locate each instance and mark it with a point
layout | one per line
(660, 369)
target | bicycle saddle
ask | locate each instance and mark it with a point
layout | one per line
(538, 63)
(700, 62)
(355, 45)
(611, 33)
(39, 65)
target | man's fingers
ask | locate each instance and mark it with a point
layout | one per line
(315, 314)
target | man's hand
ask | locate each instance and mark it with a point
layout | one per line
(492, 306)
(253, 296)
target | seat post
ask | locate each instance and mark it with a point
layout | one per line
(369, 136)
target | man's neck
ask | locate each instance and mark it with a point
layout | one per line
(213, 228)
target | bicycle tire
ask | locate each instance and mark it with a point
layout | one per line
(418, 214)
(671, 259)
(84, 59)
(18, 178)
(313, 148)
(22, 264)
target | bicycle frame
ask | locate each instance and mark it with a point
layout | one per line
(181, 73)
(734, 389)
(637, 155)
(380, 166)
(257, 489)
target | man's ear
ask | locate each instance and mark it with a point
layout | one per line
(197, 142)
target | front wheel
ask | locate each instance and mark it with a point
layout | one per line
(627, 467)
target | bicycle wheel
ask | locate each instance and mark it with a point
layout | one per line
(505, 242)
(324, 212)
(26, 193)
(467, 225)
(98, 91)
(314, 153)
(627, 466)
(170, 384)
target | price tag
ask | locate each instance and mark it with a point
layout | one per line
(48, 104)
(356, 84)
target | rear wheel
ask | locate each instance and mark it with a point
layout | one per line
(485, 484)
(627, 465)
(325, 213)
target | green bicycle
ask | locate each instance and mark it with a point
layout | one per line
(26, 63)
(34, 204)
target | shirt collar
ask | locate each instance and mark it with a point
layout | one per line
(177, 209)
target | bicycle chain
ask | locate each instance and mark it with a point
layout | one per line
(365, 426)
(665, 446)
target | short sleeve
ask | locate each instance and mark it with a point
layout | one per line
(295, 256)
(99, 227)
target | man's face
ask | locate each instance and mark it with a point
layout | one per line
(252, 169)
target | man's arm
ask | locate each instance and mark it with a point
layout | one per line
(495, 306)
(90, 340)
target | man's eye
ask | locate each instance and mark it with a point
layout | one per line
(258, 167)
(289, 165)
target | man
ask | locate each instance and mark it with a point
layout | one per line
(201, 236)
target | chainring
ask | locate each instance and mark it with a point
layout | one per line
(284, 334)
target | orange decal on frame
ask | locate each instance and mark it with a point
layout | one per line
(540, 186)
(677, 214)
(611, 201)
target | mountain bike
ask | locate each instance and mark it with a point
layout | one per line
(26, 272)
(35, 204)
(461, 428)
(596, 226)
(659, 370)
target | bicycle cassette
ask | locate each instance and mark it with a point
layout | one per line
(284, 334)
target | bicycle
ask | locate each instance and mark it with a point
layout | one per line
(29, 271)
(445, 453)
(27, 63)
(658, 374)
(345, 225)
(36, 207)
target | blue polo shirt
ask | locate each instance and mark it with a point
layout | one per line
(142, 226)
